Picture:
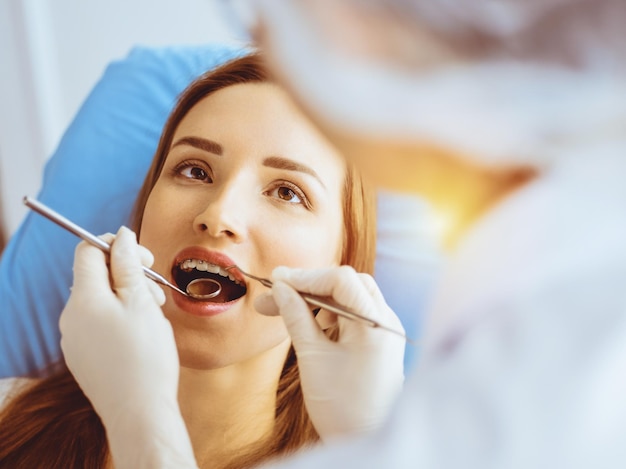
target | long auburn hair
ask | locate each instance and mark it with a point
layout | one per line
(52, 424)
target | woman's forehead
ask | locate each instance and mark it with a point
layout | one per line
(259, 117)
(255, 108)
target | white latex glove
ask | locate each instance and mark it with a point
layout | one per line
(349, 385)
(121, 351)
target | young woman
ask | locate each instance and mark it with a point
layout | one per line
(242, 178)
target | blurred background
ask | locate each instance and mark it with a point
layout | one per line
(52, 52)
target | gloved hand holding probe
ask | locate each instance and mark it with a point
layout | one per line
(348, 384)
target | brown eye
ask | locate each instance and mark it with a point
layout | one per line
(193, 171)
(287, 194)
(198, 173)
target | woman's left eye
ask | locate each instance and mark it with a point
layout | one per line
(289, 193)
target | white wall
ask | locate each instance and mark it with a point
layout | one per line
(51, 54)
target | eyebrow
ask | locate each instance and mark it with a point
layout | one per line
(290, 165)
(201, 143)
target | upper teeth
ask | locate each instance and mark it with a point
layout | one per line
(205, 266)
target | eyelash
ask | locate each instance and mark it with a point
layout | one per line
(295, 189)
(190, 164)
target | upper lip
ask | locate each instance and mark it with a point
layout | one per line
(212, 257)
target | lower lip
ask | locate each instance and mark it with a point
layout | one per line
(201, 308)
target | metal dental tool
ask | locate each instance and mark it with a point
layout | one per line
(330, 305)
(106, 247)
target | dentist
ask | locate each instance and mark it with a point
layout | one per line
(510, 118)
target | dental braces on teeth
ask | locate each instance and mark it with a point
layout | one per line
(203, 266)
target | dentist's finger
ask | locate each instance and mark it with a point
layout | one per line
(91, 273)
(126, 268)
(265, 305)
(145, 255)
(370, 285)
(323, 281)
(343, 284)
(107, 237)
(147, 259)
(385, 313)
(156, 291)
(300, 323)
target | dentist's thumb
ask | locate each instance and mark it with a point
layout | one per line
(299, 320)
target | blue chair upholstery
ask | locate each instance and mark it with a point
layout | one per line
(93, 178)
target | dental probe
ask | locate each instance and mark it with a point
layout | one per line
(330, 305)
(104, 246)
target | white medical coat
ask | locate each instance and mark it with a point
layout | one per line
(524, 362)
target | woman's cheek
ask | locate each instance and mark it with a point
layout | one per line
(316, 248)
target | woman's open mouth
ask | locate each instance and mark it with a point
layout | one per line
(191, 269)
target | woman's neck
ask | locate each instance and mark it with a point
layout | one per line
(229, 408)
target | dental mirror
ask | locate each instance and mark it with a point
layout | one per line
(204, 288)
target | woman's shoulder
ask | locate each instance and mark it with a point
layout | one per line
(10, 387)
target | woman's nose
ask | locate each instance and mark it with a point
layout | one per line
(223, 215)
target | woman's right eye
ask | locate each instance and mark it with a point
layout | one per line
(194, 171)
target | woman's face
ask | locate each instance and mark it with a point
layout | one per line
(249, 181)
